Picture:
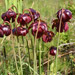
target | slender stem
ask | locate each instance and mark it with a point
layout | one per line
(20, 59)
(19, 51)
(15, 56)
(32, 46)
(28, 48)
(58, 41)
(28, 51)
(43, 48)
(5, 67)
(23, 41)
(40, 58)
(4, 52)
(35, 59)
(48, 64)
(32, 50)
(31, 42)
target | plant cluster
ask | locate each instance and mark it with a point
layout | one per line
(32, 21)
(63, 16)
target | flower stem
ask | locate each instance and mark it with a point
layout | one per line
(35, 57)
(40, 58)
(35, 60)
(58, 42)
(20, 59)
(48, 71)
(15, 55)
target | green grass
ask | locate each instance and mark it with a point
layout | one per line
(20, 55)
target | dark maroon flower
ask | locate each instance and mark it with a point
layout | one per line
(23, 32)
(35, 14)
(65, 13)
(42, 28)
(10, 14)
(56, 23)
(47, 36)
(24, 18)
(19, 31)
(6, 30)
(5, 18)
(53, 50)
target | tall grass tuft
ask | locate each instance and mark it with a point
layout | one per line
(17, 3)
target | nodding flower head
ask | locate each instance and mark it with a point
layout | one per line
(35, 14)
(19, 31)
(5, 30)
(47, 36)
(24, 19)
(39, 28)
(65, 14)
(53, 50)
(10, 14)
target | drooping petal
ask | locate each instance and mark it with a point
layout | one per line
(47, 36)
(66, 27)
(57, 25)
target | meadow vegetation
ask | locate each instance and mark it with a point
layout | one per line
(17, 53)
